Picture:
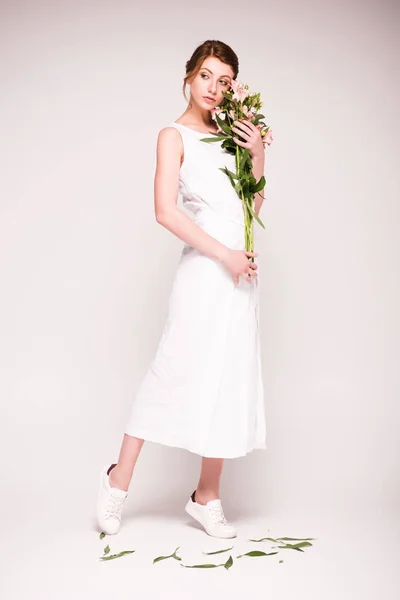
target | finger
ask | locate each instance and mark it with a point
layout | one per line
(244, 144)
(240, 131)
(248, 126)
(248, 253)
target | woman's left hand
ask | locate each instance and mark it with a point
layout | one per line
(251, 134)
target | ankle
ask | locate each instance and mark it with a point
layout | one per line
(118, 479)
(202, 496)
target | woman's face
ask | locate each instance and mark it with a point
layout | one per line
(213, 78)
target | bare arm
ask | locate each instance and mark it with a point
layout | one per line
(166, 189)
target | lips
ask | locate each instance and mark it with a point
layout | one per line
(208, 98)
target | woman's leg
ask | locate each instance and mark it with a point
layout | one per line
(208, 486)
(120, 476)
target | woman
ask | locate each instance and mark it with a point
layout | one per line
(203, 391)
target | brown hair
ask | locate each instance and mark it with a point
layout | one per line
(210, 48)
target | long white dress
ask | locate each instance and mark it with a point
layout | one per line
(203, 390)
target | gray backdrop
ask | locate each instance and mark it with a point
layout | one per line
(86, 271)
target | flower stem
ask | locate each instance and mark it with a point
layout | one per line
(248, 217)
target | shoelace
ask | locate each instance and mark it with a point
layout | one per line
(114, 507)
(217, 515)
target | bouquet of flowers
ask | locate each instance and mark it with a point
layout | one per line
(239, 103)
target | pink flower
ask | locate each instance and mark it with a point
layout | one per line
(267, 137)
(249, 112)
(216, 111)
(240, 93)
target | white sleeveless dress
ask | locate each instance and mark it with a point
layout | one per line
(203, 390)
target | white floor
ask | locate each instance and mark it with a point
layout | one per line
(53, 553)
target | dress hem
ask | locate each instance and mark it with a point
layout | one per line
(142, 434)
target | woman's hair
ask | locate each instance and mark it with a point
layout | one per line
(210, 48)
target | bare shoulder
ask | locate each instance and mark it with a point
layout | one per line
(169, 142)
(169, 133)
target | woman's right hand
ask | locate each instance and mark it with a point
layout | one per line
(238, 263)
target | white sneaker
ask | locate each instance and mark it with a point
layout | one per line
(211, 516)
(109, 504)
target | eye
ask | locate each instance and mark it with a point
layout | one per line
(222, 80)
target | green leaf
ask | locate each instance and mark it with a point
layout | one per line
(257, 118)
(205, 566)
(289, 539)
(173, 555)
(223, 125)
(296, 546)
(259, 185)
(102, 535)
(245, 156)
(257, 553)
(219, 551)
(231, 180)
(229, 562)
(227, 172)
(218, 138)
(245, 188)
(252, 180)
(112, 556)
(161, 558)
(107, 549)
(231, 173)
(229, 146)
(257, 218)
(280, 539)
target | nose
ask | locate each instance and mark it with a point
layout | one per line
(212, 88)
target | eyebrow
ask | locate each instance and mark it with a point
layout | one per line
(228, 76)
